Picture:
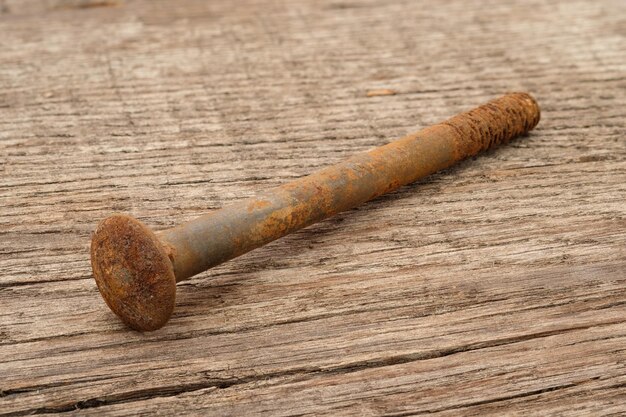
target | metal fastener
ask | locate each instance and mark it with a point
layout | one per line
(136, 269)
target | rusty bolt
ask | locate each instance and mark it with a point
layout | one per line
(136, 269)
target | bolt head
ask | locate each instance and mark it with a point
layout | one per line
(133, 272)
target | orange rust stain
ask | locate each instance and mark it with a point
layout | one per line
(170, 250)
(133, 272)
(258, 205)
(492, 124)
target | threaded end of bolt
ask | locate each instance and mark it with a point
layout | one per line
(493, 123)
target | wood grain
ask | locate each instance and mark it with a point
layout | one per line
(495, 287)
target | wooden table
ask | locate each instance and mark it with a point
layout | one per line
(495, 287)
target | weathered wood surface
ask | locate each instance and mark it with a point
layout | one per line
(498, 286)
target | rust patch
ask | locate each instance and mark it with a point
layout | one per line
(133, 272)
(493, 123)
(258, 205)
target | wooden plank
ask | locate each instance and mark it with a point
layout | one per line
(496, 286)
(374, 338)
(540, 371)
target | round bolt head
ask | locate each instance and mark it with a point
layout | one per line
(133, 272)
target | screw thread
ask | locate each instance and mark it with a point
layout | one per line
(493, 123)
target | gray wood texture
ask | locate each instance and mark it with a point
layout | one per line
(497, 287)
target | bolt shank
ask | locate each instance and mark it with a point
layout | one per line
(223, 234)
